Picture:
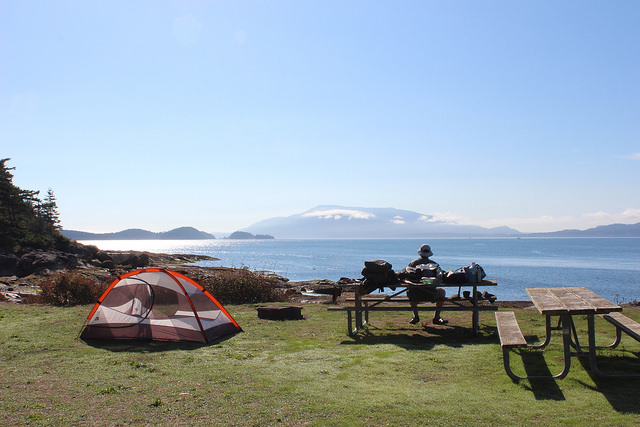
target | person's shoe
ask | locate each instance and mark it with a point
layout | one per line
(414, 320)
(439, 321)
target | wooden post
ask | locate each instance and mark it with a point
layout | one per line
(476, 314)
(358, 306)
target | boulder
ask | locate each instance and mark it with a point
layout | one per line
(103, 256)
(85, 252)
(133, 259)
(106, 264)
(37, 262)
(143, 260)
(8, 264)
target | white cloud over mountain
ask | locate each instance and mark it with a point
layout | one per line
(338, 214)
(398, 220)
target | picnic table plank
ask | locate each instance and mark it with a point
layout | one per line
(509, 330)
(573, 302)
(599, 303)
(545, 301)
(630, 326)
(569, 300)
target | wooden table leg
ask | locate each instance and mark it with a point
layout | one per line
(358, 306)
(475, 316)
(366, 312)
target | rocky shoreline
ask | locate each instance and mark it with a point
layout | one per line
(22, 271)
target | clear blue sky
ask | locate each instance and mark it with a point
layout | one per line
(218, 114)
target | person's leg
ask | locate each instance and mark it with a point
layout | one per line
(416, 316)
(436, 316)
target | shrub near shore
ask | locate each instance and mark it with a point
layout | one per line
(241, 286)
(227, 285)
(71, 288)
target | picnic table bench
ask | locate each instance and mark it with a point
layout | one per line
(566, 302)
(623, 324)
(509, 330)
(364, 304)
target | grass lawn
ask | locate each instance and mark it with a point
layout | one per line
(304, 372)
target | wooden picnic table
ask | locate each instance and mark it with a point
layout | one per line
(567, 302)
(363, 304)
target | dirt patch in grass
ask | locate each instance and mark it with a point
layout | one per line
(514, 304)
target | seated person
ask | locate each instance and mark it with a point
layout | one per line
(425, 293)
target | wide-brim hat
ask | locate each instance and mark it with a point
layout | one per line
(425, 251)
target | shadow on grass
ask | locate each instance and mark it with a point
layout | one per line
(621, 393)
(148, 346)
(535, 365)
(407, 341)
(411, 338)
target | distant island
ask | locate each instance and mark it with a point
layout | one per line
(612, 230)
(182, 233)
(243, 235)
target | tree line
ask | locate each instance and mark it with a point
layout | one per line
(26, 220)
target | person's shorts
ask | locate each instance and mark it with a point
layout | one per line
(426, 293)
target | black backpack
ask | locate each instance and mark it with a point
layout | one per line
(377, 274)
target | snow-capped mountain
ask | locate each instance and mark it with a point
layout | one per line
(352, 222)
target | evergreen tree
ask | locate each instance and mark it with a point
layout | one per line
(50, 218)
(25, 220)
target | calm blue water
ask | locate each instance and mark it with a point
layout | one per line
(609, 267)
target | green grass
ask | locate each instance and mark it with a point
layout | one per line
(302, 372)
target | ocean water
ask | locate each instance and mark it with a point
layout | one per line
(609, 267)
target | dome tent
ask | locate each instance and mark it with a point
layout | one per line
(158, 304)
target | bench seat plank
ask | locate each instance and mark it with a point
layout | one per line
(629, 326)
(509, 330)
